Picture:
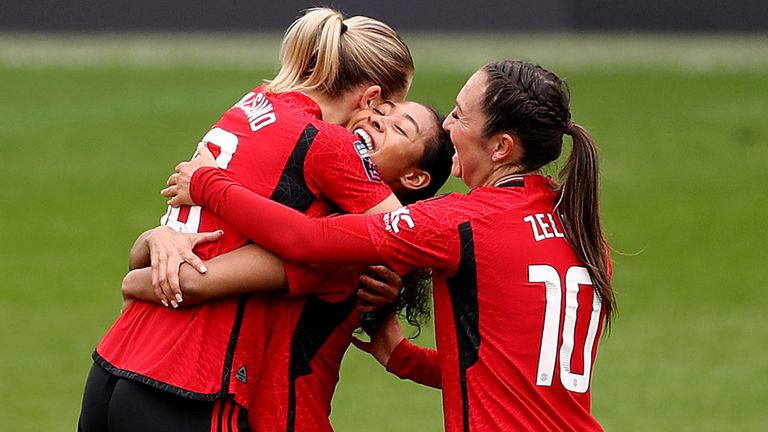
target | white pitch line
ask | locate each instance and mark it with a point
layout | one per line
(448, 51)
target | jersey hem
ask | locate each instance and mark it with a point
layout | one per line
(143, 379)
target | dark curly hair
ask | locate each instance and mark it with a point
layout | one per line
(412, 304)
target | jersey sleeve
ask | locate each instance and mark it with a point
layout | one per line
(415, 363)
(421, 235)
(330, 283)
(338, 168)
(342, 240)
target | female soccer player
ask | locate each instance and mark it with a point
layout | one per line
(306, 338)
(180, 368)
(521, 267)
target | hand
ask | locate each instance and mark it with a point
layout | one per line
(379, 287)
(387, 337)
(168, 249)
(178, 183)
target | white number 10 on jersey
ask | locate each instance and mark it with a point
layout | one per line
(574, 278)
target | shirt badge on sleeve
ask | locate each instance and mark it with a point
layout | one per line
(371, 170)
(392, 220)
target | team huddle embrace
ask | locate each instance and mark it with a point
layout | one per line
(240, 306)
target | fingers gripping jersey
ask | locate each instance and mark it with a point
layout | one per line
(517, 318)
(277, 146)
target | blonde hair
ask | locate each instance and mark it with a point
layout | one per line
(323, 51)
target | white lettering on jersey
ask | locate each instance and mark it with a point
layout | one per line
(543, 226)
(227, 142)
(392, 220)
(257, 109)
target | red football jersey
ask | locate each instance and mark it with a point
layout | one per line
(277, 146)
(516, 315)
(307, 339)
(306, 336)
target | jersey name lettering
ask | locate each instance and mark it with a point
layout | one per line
(258, 110)
(543, 226)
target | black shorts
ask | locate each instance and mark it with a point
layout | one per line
(117, 404)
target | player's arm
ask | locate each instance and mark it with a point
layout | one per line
(168, 250)
(139, 255)
(340, 170)
(389, 347)
(389, 204)
(249, 269)
(276, 227)
(418, 364)
(343, 240)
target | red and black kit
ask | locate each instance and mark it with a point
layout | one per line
(276, 145)
(517, 317)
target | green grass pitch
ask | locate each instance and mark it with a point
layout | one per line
(91, 127)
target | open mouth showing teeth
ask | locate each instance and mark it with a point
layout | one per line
(365, 138)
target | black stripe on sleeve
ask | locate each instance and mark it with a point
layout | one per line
(292, 189)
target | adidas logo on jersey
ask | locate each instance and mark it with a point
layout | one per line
(392, 220)
(242, 375)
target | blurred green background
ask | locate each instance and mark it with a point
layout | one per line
(90, 128)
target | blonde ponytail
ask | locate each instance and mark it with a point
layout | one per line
(323, 51)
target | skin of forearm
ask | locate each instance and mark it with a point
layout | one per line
(139, 255)
(137, 284)
(249, 269)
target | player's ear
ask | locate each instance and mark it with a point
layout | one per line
(416, 179)
(370, 97)
(505, 147)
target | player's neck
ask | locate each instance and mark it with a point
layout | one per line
(335, 110)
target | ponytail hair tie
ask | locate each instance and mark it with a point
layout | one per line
(569, 128)
(343, 28)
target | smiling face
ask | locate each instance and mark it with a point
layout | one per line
(396, 135)
(466, 124)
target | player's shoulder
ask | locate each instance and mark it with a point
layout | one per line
(449, 208)
(447, 198)
(336, 141)
(334, 133)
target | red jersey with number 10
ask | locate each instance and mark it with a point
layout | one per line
(277, 146)
(517, 318)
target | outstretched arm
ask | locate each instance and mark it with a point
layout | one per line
(251, 269)
(342, 240)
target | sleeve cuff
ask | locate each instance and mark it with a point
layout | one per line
(398, 360)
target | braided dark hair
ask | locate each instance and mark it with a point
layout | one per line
(532, 104)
